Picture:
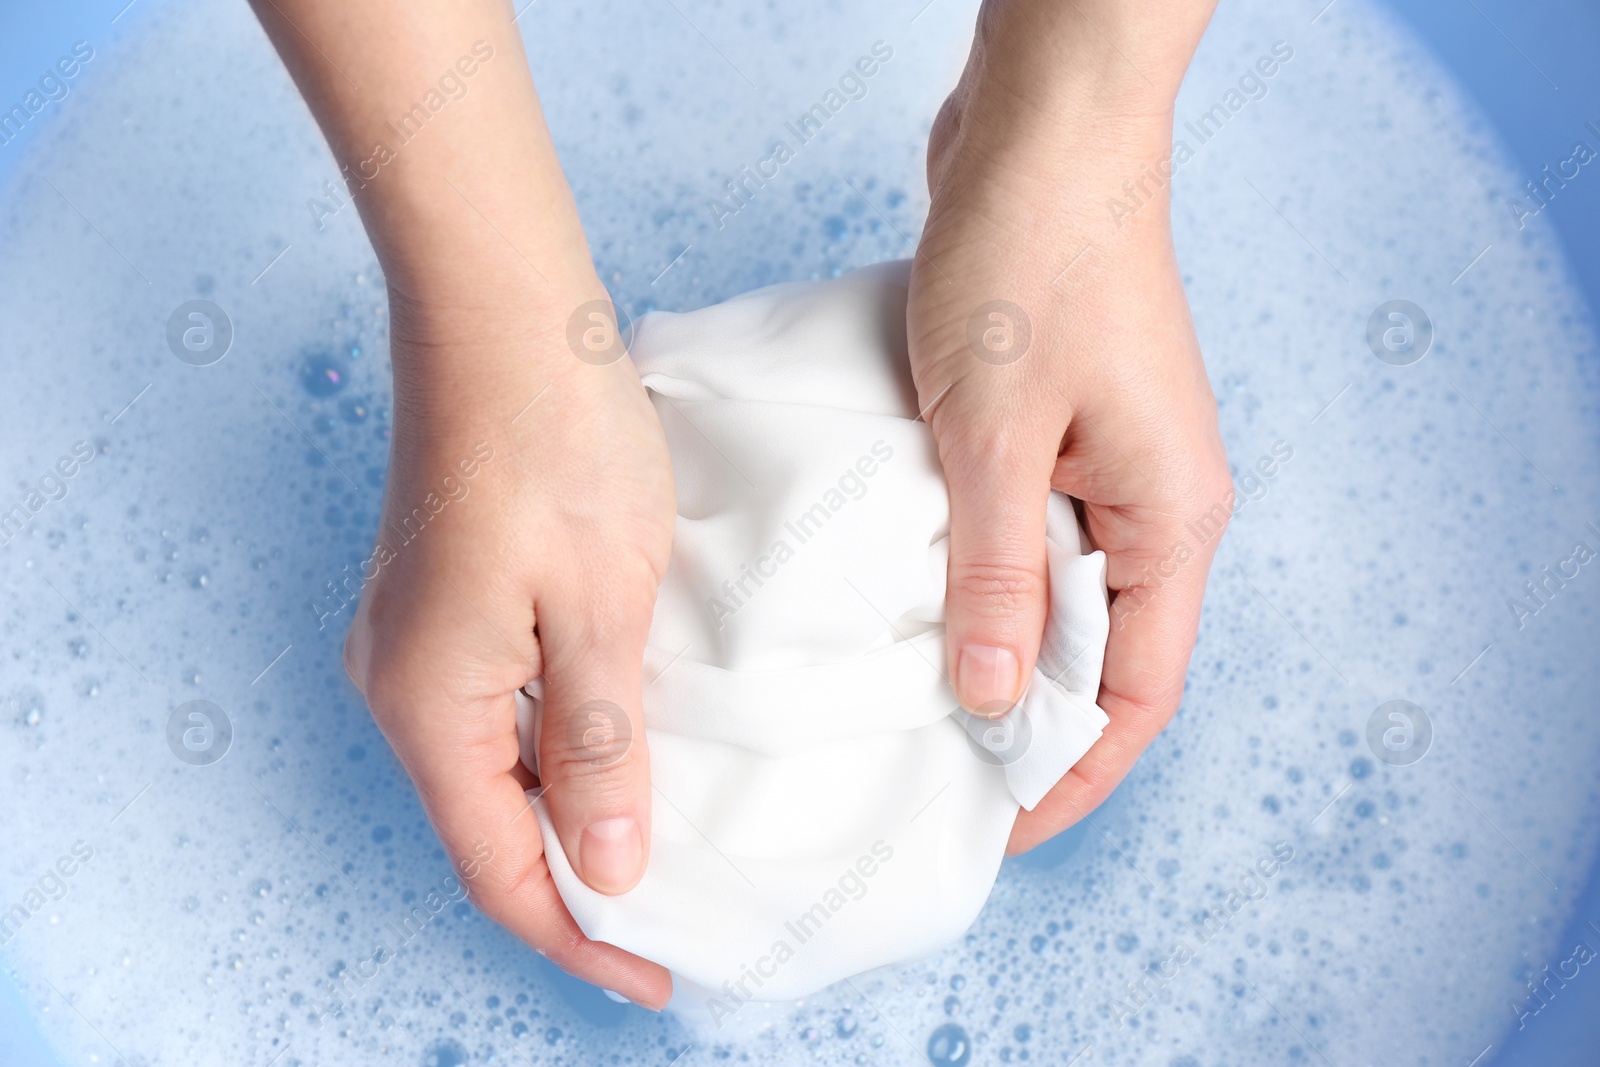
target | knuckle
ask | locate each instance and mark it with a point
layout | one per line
(998, 588)
(564, 948)
(595, 750)
(596, 734)
(599, 609)
(500, 898)
(601, 784)
(985, 442)
(1146, 715)
(526, 878)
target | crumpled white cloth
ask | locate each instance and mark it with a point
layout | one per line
(822, 806)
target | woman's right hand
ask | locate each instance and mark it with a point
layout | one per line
(544, 561)
(538, 498)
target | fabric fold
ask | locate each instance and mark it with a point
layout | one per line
(822, 805)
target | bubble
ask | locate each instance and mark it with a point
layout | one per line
(323, 374)
(446, 1053)
(949, 1046)
(354, 409)
(25, 705)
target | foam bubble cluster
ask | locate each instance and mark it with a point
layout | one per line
(1281, 880)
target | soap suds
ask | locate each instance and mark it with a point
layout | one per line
(229, 904)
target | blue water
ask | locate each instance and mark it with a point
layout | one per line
(1534, 119)
(1539, 88)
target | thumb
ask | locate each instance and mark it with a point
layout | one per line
(996, 591)
(593, 763)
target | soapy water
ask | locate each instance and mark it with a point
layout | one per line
(1283, 879)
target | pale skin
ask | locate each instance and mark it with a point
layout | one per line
(549, 568)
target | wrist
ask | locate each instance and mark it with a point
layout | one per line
(1091, 76)
(458, 357)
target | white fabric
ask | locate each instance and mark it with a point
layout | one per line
(807, 753)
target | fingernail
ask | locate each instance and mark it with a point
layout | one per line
(610, 853)
(987, 679)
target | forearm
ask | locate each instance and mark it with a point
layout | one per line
(1068, 83)
(434, 121)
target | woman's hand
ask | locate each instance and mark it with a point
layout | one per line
(555, 508)
(1052, 348)
(544, 560)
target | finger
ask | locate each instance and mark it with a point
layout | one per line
(462, 762)
(593, 761)
(1153, 625)
(996, 593)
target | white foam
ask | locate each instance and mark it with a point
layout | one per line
(1377, 565)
